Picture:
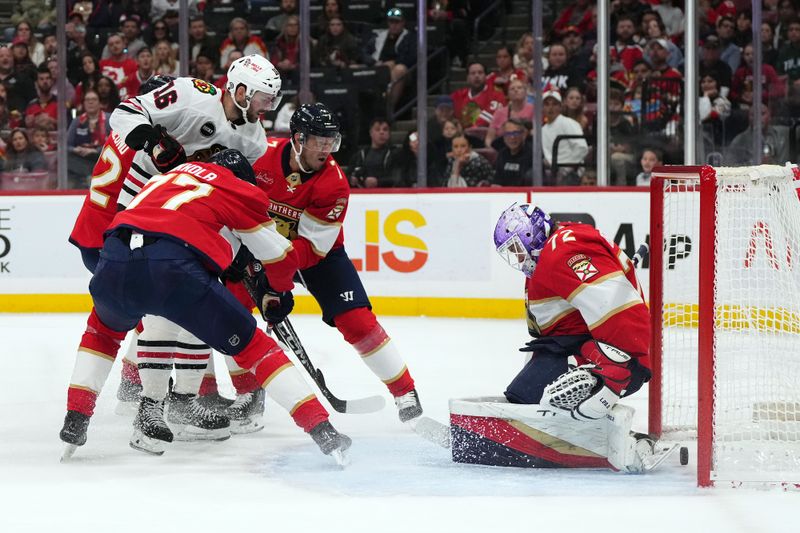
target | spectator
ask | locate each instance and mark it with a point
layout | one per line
(450, 16)
(239, 38)
(621, 139)
(717, 9)
(50, 45)
(789, 55)
(742, 90)
(515, 159)
(69, 90)
(664, 94)
(144, 62)
(6, 121)
(651, 158)
(19, 86)
(442, 111)
(657, 30)
(117, 66)
(518, 108)
(775, 141)
(579, 55)
(285, 53)
(159, 8)
(713, 109)
(130, 26)
(395, 48)
(275, 24)
(744, 28)
(467, 168)
(373, 166)
(559, 73)
(164, 61)
(731, 53)
(160, 31)
(337, 47)
(505, 73)
(589, 178)
(786, 14)
(330, 9)
(407, 160)
(632, 9)
(658, 52)
(44, 103)
(90, 70)
(577, 13)
(40, 139)
(25, 34)
(109, 94)
(625, 50)
(523, 59)
(233, 56)
(768, 52)
(76, 48)
(475, 104)
(85, 138)
(199, 40)
(672, 16)
(443, 146)
(22, 62)
(575, 107)
(570, 151)
(633, 98)
(203, 68)
(712, 65)
(21, 155)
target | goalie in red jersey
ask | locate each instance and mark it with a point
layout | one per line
(590, 328)
(308, 200)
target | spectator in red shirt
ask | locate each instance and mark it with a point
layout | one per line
(475, 104)
(505, 73)
(144, 62)
(239, 39)
(285, 53)
(90, 75)
(742, 89)
(44, 104)
(719, 8)
(118, 66)
(625, 50)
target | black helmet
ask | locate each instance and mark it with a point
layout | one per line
(237, 163)
(314, 119)
(154, 82)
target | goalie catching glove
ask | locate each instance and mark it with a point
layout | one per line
(591, 389)
(165, 151)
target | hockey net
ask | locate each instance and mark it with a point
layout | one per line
(725, 302)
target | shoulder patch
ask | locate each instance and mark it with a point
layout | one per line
(582, 266)
(337, 210)
(204, 87)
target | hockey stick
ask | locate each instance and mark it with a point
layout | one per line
(640, 255)
(287, 335)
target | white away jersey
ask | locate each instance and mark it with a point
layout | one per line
(191, 111)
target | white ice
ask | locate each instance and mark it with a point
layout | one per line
(277, 480)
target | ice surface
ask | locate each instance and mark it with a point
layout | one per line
(277, 480)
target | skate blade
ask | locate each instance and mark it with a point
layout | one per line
(654, 461)
(146, 444)
(191, 433)
(341, 457)
(126, 408)
(243, 427)
(69, 451)
(431, 430)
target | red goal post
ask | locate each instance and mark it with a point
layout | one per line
(725, 308)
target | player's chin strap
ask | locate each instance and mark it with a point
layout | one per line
(297, 158)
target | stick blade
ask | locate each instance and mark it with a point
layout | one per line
(359, 406)
(431, 430)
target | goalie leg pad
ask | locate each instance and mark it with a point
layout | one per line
(528, 386)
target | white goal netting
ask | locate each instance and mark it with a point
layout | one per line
(756, 277)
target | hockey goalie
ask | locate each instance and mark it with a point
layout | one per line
(590, 327)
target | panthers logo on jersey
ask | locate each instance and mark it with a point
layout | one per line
(286, 227)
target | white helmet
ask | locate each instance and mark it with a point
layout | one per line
(256, 73)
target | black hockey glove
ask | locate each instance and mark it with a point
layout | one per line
(274, 306)
(164, 150)
(237, 270)
(277, 306)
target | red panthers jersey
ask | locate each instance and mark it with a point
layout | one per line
(205, 206)
(308, 208)
(100, 204)
(585, 284)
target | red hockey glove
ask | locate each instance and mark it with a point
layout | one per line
(609, 364)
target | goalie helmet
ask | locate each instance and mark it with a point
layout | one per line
(256, 73)
(237, 163)
(154, 82)
(520, 234)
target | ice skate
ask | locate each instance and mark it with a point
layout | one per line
(73, 433)
(128, 395)
(150, 431)
(193, 421)
(331, 442)
(246, 411)
(215, 401)
(408, 406)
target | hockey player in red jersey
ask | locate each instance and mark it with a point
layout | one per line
(162, 256)
(590, 328)
(308, 200)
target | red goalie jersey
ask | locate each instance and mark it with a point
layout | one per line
(100, 204)
(308, 208)
(585, 284)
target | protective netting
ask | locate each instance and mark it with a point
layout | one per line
(756, 429)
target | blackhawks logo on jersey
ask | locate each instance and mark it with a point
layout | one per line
(582, 266)
(204, 86)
